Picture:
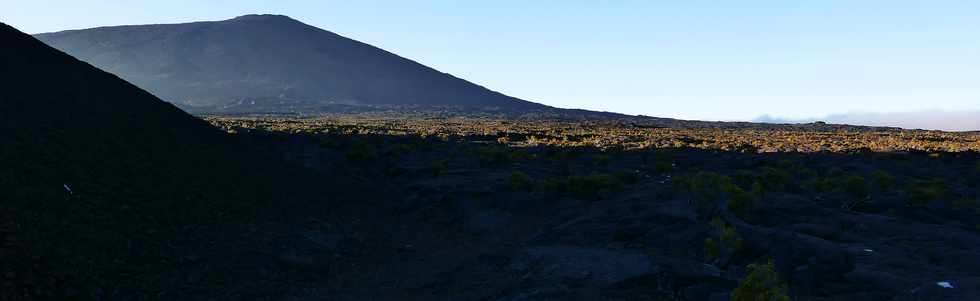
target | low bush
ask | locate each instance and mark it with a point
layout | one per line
(761, 284)
(438, 167)
(520, 181)
(926, 192)
(709, 190)
(855, 186)
(728, 241)
(776, 179)
(593, 186)
(882, 179)
(361, 152)
(627, 177)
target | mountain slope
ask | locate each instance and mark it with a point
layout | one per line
(96, 171)
(267, 63)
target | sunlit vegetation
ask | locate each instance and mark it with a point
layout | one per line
(583, 157)
(717, 136)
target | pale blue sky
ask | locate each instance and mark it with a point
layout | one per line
(715, 60)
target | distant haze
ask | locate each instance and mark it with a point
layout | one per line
(927, 120)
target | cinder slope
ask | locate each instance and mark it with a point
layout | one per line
(268, 63)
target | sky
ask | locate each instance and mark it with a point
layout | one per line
(708, 60)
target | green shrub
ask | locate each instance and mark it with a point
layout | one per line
(758, 191)
(400, 149)
(602, 159)
(361, 152)
(711, 248)
(662, 166)
(663, 162)
(627, 177)
(924, 193)
(742, 202)
(492, 156)
(520, 181)
(519, 154)
(438, 167)
(709, 189)
(882, 179)
(855, 186)
(706, 188)
(851, 186)
(762, 284)
(552, 185)
(729, 241)
(776, 179)
(835, 171)
(967, 204)
(593, 186)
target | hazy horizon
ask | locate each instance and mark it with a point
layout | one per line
(695, 60)
(960, 121)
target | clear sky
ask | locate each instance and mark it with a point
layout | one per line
(714, 60)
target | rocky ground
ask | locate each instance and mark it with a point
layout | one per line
(470, 217)
(459, 219)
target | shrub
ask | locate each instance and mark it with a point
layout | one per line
(438, 167)
(967, 204)
(924, 193)
(742, 202)
(662, 166)
(520, 181)
(361, 152)
(711, 248)
(602, 159)
(663, 162)
(552, 185)
(401, 148)
(729, 241)
(762, 284)
(882, 179)
(855, 186)
(591, 187)
(492, 156)
(776, 179)
(628, 177)
(819, 184)
(706, 188)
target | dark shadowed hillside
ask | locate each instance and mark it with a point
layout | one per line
(67, 122)
(95, 171)
(268, 63)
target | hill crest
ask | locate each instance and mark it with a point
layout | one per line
(268, 64)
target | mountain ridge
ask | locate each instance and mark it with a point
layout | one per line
(256, 62)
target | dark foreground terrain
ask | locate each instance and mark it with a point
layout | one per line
(109, 193)
(393, 208)
(542, 211)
